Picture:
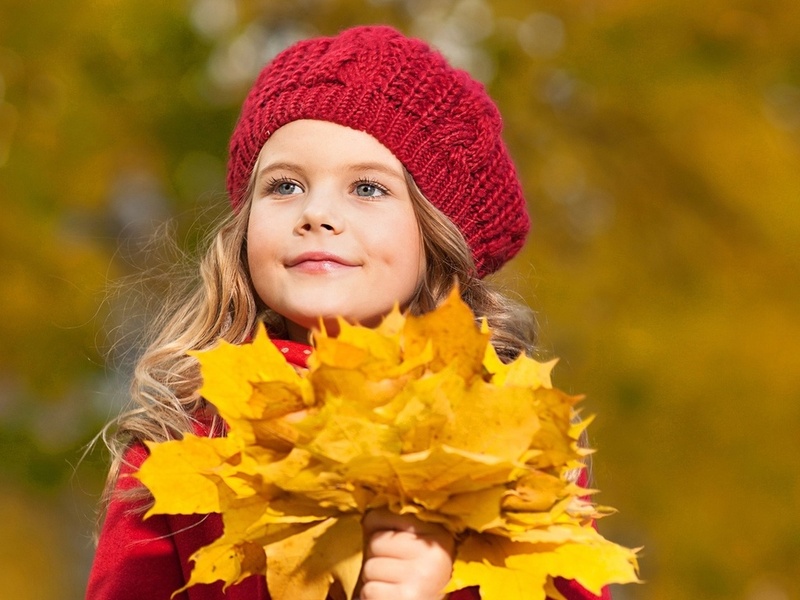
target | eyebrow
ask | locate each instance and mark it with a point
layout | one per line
(365, 166)
(376, 166)
(278, 166)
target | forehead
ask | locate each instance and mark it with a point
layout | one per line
(322, 143)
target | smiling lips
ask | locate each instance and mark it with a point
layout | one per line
(319, 262)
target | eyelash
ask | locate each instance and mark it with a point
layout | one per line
(272, 185)
(371, 182)
(274, 182)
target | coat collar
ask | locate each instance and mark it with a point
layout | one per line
(296, 353)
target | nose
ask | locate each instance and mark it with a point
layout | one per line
(320, 213)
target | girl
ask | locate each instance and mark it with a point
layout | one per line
(364, 170)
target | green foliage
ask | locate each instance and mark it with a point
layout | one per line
(658, 143)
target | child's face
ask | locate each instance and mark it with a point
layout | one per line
(332, 228)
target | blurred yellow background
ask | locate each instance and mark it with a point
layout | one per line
(659, 145)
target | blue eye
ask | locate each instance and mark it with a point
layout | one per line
(282, 187)
(369, 189)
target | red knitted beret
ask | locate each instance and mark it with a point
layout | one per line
(438, 121)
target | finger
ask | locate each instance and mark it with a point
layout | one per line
(389, 590)
(408, 544)
(384, 519)
(395, 544)
(378, 590)
(384, 569)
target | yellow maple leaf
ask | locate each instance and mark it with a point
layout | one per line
(537, 491)
(525, 372)
(230, 562)
(451, 331)
(493, 421)
(507, 569)
(306, 565)
(251, 383)
(190, 465)
(342, 430)
(417, 415)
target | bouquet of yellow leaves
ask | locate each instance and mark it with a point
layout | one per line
(419, 416)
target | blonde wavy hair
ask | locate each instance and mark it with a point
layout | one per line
(222, 305)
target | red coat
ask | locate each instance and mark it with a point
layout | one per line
(140, 559)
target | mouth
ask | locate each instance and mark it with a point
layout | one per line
(319, 262)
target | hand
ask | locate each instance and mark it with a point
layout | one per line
(404, 558)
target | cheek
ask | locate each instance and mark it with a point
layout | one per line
(262, 251)
(253, 247)
(402, 246)
(264, 230)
